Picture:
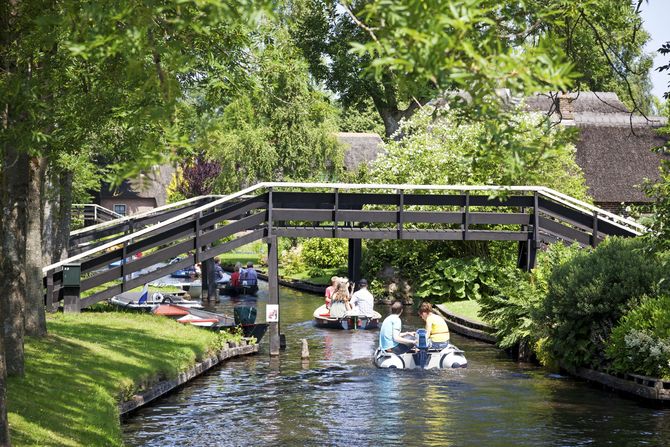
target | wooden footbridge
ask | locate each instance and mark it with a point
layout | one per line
(105, 261)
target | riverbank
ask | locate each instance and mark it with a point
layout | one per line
(88, 364)
(650, 389)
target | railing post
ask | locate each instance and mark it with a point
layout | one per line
(269, 212)
(401, 206)
(336, 209)
(273, 295)
(533, 242)
(466, 216)
(594, 236)
(196, 257)
(124, 254)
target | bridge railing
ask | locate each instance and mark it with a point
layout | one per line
(353, 211)
(91, 236)
(87, 214)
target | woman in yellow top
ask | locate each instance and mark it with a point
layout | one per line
(437, 330)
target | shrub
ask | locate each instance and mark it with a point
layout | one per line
(319, 254)
(588, 295)
(641, 342)
(456, 279)
(519, 296)
(291, 260)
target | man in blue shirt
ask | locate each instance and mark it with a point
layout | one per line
(390, 337)
(248, 276)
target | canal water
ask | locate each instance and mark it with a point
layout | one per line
(338, 398)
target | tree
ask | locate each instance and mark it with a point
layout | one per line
(88, 80)
(602, 39)
(281, 128)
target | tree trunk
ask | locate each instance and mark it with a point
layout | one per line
(50, 195)
(61, 239)
(35, 320)
(4, 425)
(13, 280)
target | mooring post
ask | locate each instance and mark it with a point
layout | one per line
(273, 295)
(305, 349)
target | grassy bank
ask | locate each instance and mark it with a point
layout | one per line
(467, 309)
(89, 362)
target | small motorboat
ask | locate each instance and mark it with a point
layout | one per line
(350, 320)
(423, 358)
(227, 289)
(195, 317)
(134, 301)
(214, 321)
(188, 272)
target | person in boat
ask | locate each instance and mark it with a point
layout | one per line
(362, 302)
(330, 290)
(218, 270)
(339, 304)
(437, 330)
(235, 277)
(391, 339)
(248, 276)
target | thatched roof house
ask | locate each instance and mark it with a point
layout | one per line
(614, 148)
(140, 194)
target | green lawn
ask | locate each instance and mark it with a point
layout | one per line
(467, 309)
(321, 279)
(87, 364)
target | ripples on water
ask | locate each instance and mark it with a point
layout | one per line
(338, 398)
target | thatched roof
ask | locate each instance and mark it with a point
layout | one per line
(152, 185)
(614, 148)
(359, 148)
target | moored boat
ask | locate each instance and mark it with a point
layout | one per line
(134, 301)
(350, 320)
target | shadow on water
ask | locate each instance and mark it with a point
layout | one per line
(338, 397)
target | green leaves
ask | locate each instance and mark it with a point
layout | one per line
(456, 279)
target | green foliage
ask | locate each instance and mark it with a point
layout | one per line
(456, 279)
(641, 341)
(510, 309)
(278, 129)
(319, 254)
(438, 148)
(588, 295)
(291, 260)
(363, 118)
(519, 295)
(660, 211)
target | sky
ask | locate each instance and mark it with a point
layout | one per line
(656, 16)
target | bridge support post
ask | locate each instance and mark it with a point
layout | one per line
(273, 293)
(209, 279)
(354, 260)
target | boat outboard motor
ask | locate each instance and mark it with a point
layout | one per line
(421, 357)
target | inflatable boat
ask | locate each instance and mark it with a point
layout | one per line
(423, 358)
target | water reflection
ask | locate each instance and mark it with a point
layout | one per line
(339, 398)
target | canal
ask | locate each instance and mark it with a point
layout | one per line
(338, 397)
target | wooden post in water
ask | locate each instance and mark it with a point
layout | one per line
(273, 293)
(305, 349)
